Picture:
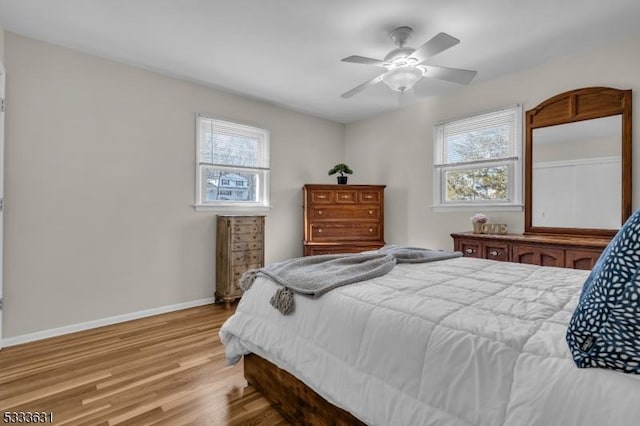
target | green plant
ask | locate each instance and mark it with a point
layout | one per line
(340, 168)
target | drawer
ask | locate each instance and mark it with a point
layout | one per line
(345, 231)
(236, 238)
(346, 196)
(248, 257)
(246, 221)
(496, 251)
(538, 255)
(246, 228)
(581, 259)
(318, 196)
(470, 248)
(342, 213)
(237, 271)
(315, 250)
(370, 197)
(246, 245)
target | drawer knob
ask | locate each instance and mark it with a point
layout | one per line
(370, 211)
(370, 229)
(344, 196)
(322, 197)
(319, 211)
(493, 253)
(368, 197)
(469, 250)
(319, 231)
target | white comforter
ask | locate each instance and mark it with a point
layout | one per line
(453, 342)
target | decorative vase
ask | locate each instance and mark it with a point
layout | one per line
(342, 180)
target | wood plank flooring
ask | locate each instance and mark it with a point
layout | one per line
(167, 369)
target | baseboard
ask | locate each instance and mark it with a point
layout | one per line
(53, 332)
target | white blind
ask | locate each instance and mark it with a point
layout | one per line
(483, 138)
(227, 144)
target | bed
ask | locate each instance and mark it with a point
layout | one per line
(453, 342)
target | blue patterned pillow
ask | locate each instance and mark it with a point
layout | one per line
(604, 330)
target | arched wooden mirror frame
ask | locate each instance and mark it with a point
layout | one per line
(578, 105)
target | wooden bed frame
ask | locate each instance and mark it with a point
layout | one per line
(293, 399)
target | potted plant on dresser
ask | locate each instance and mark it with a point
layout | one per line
(342, 169)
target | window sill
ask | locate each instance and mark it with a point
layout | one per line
(240, 210)
(478, 207)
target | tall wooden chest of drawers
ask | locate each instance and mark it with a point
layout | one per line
(239, 247)
(343, 218)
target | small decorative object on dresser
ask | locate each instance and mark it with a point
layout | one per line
(342, 169)
(343, 219)
(239, 247)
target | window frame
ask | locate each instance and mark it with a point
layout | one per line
(263, 187)
(513, 164)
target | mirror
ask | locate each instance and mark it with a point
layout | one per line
(578, 163)
(576, 174)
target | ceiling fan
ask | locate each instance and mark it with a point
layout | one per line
(404, 64)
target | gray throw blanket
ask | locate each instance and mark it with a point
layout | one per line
(315, 275)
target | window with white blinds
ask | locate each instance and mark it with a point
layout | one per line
(478, 160)
(232, 164)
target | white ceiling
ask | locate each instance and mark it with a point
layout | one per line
(288, 52)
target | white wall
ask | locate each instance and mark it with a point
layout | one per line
(1, 45)
(100, 185)
(396, 148)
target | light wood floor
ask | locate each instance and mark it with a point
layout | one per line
(167, 369)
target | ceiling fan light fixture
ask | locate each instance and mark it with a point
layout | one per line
(402, 78)
(404, 65)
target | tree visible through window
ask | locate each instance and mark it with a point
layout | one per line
(233, 162)
(477, 159)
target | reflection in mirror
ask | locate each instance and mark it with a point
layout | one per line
(576, 169)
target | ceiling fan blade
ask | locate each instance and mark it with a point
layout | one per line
(440, 42)
(454, 75)
(364, 60)
(363, 86)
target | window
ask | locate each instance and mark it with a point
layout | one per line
(478, 161)
(232, 165)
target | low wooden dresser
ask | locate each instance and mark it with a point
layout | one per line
(239, 247)
(343, 218)
(545, 250)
